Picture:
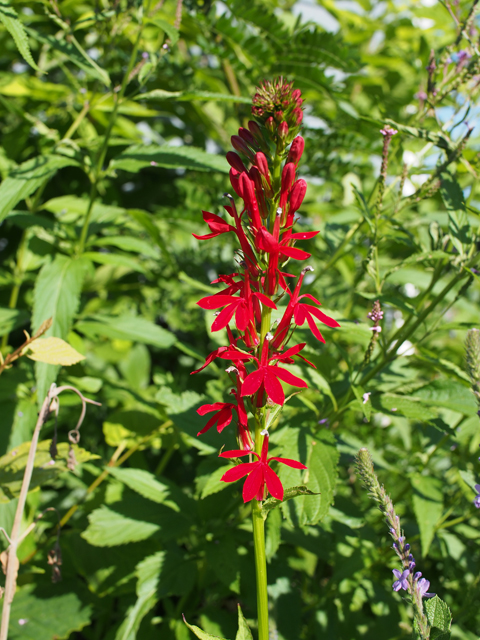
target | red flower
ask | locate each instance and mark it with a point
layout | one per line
(259, 473)
(300, 312)
(223, 416)
(217, 226)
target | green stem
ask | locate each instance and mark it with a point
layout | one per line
(103, 150)
(260, 569)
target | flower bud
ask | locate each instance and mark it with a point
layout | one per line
(288, 176)
(234, 180)
(235, 161)
(255, 130)
(270, 124)
(248, 190)
(256, 176)
(282, 131)
(241, 146)
(279, 116)
(247, 136)
(296, 150)
(297, 194)
(296, 94)
(298, 115)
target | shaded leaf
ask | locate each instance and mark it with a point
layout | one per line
(439, 618)
(427, 513)
(10, 319)
(9, 19)
(133, 328)
(140, 156)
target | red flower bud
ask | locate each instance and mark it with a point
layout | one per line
(296, 150)
(234, 176)
(297, 195)
(241, 146)
(270, 124)
(234, 161)
(298, 114)
(247, 136)
(262, 164)
(282, 130)
(255, 129)
(256, 176)
(247, 187)
(279, 116)
(288, 176)
(296, 94)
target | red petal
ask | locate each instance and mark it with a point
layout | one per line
(304, 235)
(207, 408)
(309, 295)
(274, 388)
(273, 483)
(293, 252)
(234, 474)
(252, 382)
(290, 463)
(254, 483)
(314, 329)
(307, 361)
(236, 453)
(224, 317)
(266, 242)
(231, 354)
(217, 224)
(289, 378)
(224, 417)
(330, 322)
(207, 236)
(292, 351)
(209, 424)
(265, 300)
(210, 358)
(242, 317)
(299, 314)
(214, 302)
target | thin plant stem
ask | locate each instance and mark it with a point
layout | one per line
(260, 570)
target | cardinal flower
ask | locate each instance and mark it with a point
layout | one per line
(222, 418)
(300, 312)
(259, 473)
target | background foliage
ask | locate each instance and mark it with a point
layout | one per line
(115, 119)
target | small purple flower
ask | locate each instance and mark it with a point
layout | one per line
(476, 502)
(423, 586)
(366, 397)
(401, 582)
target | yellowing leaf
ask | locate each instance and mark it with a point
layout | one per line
(53, 351)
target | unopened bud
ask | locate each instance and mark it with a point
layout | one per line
(270, 124)
(279, 116)
(282, 131)
(240, 145)
(255, 130)
(234, 180)
(262, 164)
(235, 161)
(298, 115)
(297, 194)
(296, 150)
(247, 136)
(288, 176)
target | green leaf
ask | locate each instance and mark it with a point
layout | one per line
(201, 634)
(428, 513)
(214, 484)
(365, 406)
(273, 534)
(288, 494)
(127, 243)
(459, 226)
(10, 319)
(57, 296)
(115, 259)
(243, 632)
(450, 394)
(142, 482)
(140, 156)
(190, 96)
(223, 558)
(133, 328)
(41, 615)
(439, 618)
(401, 405)
(74, 52)
(27, 178)
(9, 19)
(145, 219)
(12, 466)
(169, 29)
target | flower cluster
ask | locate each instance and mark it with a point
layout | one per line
(263, 175)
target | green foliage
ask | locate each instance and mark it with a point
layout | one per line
(109, 153)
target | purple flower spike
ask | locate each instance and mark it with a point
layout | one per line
(401, 582)
(423, 586)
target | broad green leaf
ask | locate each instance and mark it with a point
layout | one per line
(74, 52)
(40, 614)
(130, 426)
(142, 482)
(450, 394)
(115, 259)
(27, 178)
(459, 227)
(243, 632)
(288, 494)
(190, 96)
(10, 319)
(439, 618)
(201, 634)
(408, 407)
(12, 466)
(140, 156)
(428, 513)
(168, 28)
(127, 243)
(273, 535)
(222, 557)
(53, 351)
(69, 208)
(133, 328)
(57, 296)
(214, 484)
(9, 19)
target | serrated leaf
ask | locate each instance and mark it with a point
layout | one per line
(201, 634)
(450, 394)
(9, 19)
(27, 177)
(138, 157)
(288, 494)
(214, 484)
(142, 482)
(12, 466)
(273, 534)
(40, 614)
(57, 296)
(133, 328)
(223, 558)
(409, 407)
(243, 632)
(53, 351)
(439, 618)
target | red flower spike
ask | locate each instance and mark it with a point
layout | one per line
(259, 473)
(296, 150)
